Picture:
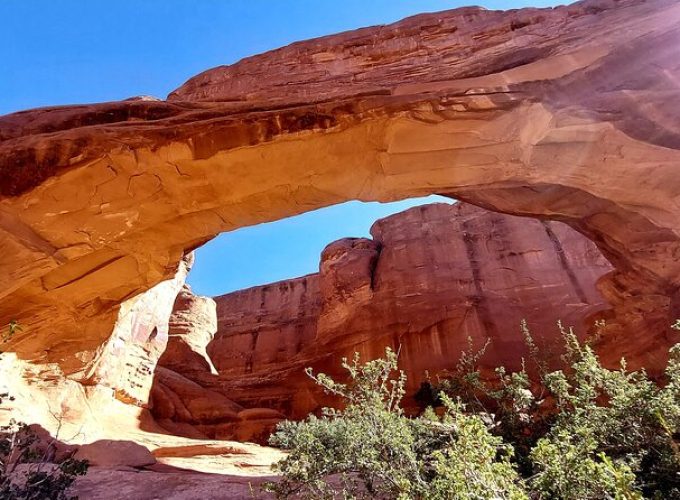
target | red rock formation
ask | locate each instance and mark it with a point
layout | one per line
(191, 327)
(182, 406)
(431, 277)
(113, 395)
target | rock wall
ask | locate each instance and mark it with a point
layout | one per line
(568, 114)
(180, 404)
(430, 278)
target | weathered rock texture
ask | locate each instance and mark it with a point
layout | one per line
(180, 404)
(115, 388)
(569, 114)
(191, 327)
(430, 278)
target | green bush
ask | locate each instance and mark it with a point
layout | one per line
(26, 470)
(587, 431)
(473, 464)
(370, 449)
(584, 432)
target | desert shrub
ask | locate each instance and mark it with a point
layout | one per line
(583, 432)
(369, 449)
(510, 402)
(27, 471)
(618, 425)
(474, 464)
(570, 468)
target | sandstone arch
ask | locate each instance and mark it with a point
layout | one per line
(570, 114)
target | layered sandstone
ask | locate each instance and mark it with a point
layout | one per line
(190, 329)
(430, 278)
(184, 407)
(106, 421)
(112, 398)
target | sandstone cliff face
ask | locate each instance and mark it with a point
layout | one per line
(184, 407)
(430, 278)
(106, 419)
(567, 114)
(191, 327)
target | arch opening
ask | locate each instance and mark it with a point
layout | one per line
(286, 248)
(429, 278)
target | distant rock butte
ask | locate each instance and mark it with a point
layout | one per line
(431, 277)
(569, 114)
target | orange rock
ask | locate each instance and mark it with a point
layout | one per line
(568, 113)
(176, 397)
(191, 327)
(110, 453)
(183, 407)
(260, 414)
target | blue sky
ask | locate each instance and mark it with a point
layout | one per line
(286, 248)
(76, 51)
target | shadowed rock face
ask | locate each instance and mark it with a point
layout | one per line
(184, 407)
(430, 278)
(567, 114)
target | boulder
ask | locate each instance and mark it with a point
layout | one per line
(110, 453)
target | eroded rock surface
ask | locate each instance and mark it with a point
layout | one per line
(191, 328)
(184, 407)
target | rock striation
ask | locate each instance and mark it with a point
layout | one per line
(190, 328)
(430, 278)
(179, 403)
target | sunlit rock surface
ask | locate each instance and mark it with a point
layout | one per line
(568, 113)
(181, 405)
